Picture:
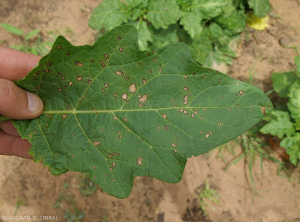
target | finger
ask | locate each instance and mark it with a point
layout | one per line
(12, 145)
(8, 128)
(15, 64)
(16, 103)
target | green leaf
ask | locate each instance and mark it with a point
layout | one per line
(31, 34)
(297, 62)
(162, 13)
(107, 15)
(235, 23)
(144, 34)
(12, 29)
(292, 144)
(294, 102)
(116, 112)
(210, 9)
(162, 37)
(282, 82)
(133, 3)
(280, 125)
(260, 7)
(201, 48)
(192, 23)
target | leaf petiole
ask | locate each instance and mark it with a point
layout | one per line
(4, 118)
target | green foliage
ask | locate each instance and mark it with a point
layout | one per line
(286, 124)
(208, 195)
(87, 186)
(67, 203)
(116, 112)
(37, 48)
(211, 28)
(20, 202)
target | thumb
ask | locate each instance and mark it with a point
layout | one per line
(17, 103)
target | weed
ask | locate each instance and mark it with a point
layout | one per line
(20, 202)
(87, 186)
(38, 47)
(211, 195)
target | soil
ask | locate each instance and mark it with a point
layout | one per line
(277, 197)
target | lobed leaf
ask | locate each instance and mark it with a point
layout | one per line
(116, 112)
(260, 7)
(191, 22)
(107, 15)
(281, 125)
(294, 102)
(297, 62)
(210, 9)
(282, 82)
(163, 13)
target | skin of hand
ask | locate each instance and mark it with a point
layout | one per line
(15, 102)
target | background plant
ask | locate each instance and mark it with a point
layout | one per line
(210, 27)
(31, 42)
(284, 121)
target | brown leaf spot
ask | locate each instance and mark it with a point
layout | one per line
(64, 116)
(106, 85)
(96, 143)
(109, 156)
(174, 145)
(210, 132)
(220, 123)
(160, 70)
(92, 60)
(36, 74)
(193, 115)
(186, 77)
(204, 77)
(115, 94)
(70, 83)
(124, 96)
(138, 63)
(121, 49)
(79, 78)
(164, 116)
(204, 110)
(150, 70)
(48, 63)
(143, 99)
(127, 79)
(119, 38)
(185, 112)
(119, 73)
(125, 119)
(220, 80)
(113, 164)
(229, 109)
(68, 54)
(72, 155)
(144, 81)
(263, 110)
(94, 167)
(77, 63)
(181, 110)
(185, 89)
(155, 59)
(201, 117)
(89, 81)
(175, 151)
(139, 160)
(59, 47)
(102, 64)
(112, 180)
(185, 100)
(132, 88)
(59, 90)
(201, 132)
(237, 105)
(241, 92)
(63, 78)
(114, 117)
(207, 135)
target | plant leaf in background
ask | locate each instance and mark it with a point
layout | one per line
(282, 82)
(191, 22)
(280, 125)
(294, 102)
(108, 16)
(12, 29)
(292, 144)
(297, 62)
(31, 34)
(260, 7)
(209, 9)
(116, 112)
(162, 13)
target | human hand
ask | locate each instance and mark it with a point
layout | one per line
(15, 102)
